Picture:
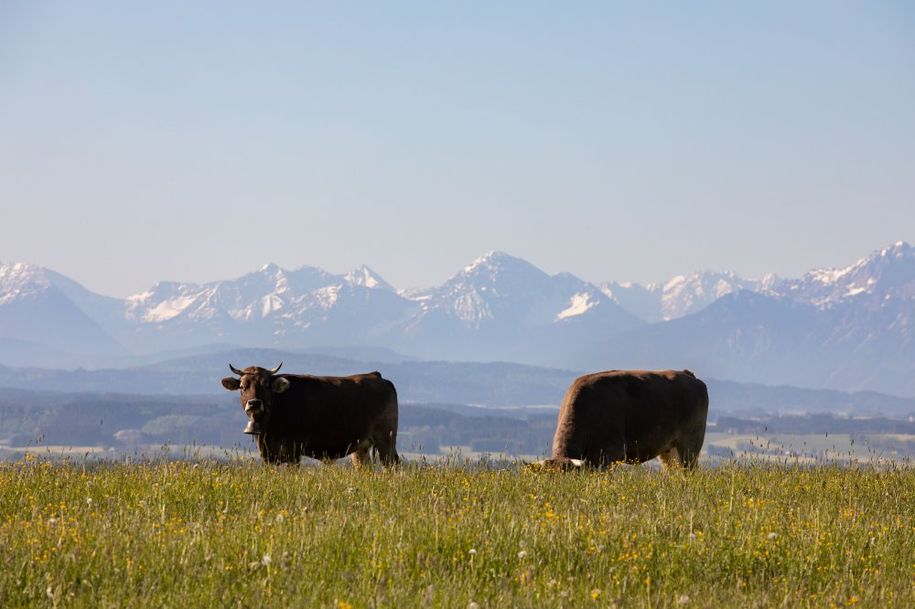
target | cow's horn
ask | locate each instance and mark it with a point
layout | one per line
(277, 369)
(236, 370)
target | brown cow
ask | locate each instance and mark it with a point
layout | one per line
(632, 416)
(323, 417)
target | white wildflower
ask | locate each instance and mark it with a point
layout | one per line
(522, 554)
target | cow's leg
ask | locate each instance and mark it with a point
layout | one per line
(691, 447)
(671, 458)
(295, 453)
(361, 457)
(690, 443)
(267, 450)
(284, 452)
(602, 456)
(386, 445)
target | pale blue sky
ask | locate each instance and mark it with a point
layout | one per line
(629, 141)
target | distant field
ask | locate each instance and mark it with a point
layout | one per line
(719, 448)
(794, 449)
(240, 534)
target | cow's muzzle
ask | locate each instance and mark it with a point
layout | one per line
(254, 409)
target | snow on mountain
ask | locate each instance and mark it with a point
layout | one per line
(502, 307)
(491, 284)
(261, 294)
(271, 306)
(886, 274)
(578, 305)
(681, 295)
(20, 280)
(35, 311)
(366, 277)
(498, 287)
(846, 328)
(850, 328)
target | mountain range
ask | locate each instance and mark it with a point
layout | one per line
(847, 328)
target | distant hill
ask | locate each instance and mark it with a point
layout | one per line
(494, 384)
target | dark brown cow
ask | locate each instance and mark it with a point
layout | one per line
(323, 417)
(632, 416)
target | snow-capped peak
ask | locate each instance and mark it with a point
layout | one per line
(884, 273)
(492, 282)
(688, 293)
(21, 279)
(500, 289)
(486, 259)
(898, 249)
(367, 278)
(682, 294)
(496, 262)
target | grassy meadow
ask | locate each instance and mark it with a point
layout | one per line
(458, 534)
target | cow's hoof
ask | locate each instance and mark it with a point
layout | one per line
(252, 428)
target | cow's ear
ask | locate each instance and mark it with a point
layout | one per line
(231, 383)
(280, 384)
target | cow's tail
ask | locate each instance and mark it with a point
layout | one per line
(388, 446)
(395, 407)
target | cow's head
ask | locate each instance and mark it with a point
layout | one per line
(258, 386)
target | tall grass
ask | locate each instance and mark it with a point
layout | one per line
(173, 534)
